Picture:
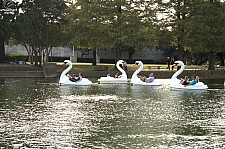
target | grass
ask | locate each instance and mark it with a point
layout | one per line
(131, 67)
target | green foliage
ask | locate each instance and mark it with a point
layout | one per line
(5, 27)
(197, 26)
(40, 25)
(15, 56)
(205, 28)
(110, 24)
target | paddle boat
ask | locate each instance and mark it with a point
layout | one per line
(112, 80)
(64, 80)
(137, 81)
(175, 83)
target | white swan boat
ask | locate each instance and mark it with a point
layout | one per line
(137, 81)
(64, 80)
(112, 80)
(175, 83)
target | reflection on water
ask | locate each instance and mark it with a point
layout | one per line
(41, 114)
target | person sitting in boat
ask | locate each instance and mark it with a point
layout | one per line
(74, 78)
(117, 75)
(150, 79)
(197, 79)
(193, 82)
(70, 77)
(185, 81)
(181, 80)
(79, 78)
(143, 78)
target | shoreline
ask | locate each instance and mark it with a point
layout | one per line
(29, 71)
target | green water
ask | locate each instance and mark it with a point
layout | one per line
(38, 113)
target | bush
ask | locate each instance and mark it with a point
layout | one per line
(15, 56)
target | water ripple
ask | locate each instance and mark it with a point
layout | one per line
(45, 115)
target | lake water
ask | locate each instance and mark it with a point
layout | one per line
(38, 113)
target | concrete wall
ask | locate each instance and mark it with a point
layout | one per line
(145, 54)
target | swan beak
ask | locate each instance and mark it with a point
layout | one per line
(134, 64)
(174, 64)
(63, 64)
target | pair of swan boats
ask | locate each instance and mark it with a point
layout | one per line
(174, 82)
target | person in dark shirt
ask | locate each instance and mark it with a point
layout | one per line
(168, 63)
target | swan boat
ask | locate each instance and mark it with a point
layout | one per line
(175, 83)
(111, 80)
(64, 80)
(137, 81)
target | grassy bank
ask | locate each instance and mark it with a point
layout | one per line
(190, 70)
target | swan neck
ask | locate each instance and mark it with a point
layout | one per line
(140, 67)
(174, 77)
(66, 70)
(119, 68)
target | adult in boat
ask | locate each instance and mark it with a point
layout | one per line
(141, 80)
(150, 79)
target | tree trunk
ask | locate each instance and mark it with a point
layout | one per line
(2, 51)
(32, 56)
(180, 28)
(180, 52)
(36, 58)
(118, 57)
(211, 60)
(40, 59)
(130, 54)
(94, 57)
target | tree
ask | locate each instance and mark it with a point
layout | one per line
(7, 15)
(111, 25)
(197, 26)
(205, 28)
(44, 21)
(175, 13)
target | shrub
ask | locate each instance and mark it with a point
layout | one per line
(15, 56)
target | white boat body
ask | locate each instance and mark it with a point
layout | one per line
(137, 81)
(64, 80)
(175, 83)
(111, 80)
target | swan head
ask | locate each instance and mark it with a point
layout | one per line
(139, 63)
(67, 62)
(120, 61)
(178, 63)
